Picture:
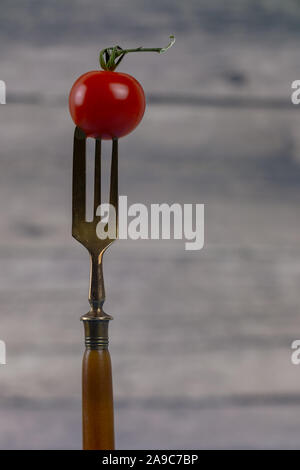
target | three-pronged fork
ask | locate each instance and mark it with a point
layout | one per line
(97, 396)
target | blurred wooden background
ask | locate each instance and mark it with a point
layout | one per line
(200, 341)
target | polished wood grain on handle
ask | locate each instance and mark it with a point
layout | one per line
(97, 401)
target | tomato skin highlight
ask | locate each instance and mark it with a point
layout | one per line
(107, 104)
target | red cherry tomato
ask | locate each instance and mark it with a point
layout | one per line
(107, 104)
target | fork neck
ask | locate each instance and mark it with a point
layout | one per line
(96, 320)
(97, 290)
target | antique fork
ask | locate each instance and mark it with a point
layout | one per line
(97, 394)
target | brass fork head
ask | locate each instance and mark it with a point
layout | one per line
(83, 231)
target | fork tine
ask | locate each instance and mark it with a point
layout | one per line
(79, 177)
(97, 178)
(114, 192)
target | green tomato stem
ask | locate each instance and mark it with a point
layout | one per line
(111, 57)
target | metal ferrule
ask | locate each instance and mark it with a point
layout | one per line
(96, 331)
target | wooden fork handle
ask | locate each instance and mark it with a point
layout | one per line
(97, 400)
